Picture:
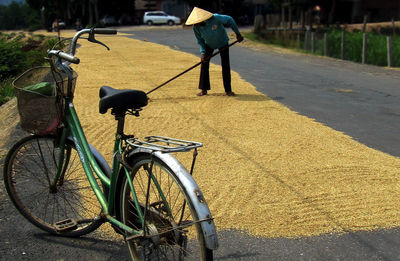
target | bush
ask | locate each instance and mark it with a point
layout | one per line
(6, 91)
(376, 45)
(18, 16)
(396, 51)
(354, 45)
(376, 50)
(17, 54)
(12, 58)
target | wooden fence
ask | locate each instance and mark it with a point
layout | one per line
(308, 40)
(309, 44)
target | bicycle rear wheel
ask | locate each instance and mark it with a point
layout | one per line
(172, 232)
(70, 209)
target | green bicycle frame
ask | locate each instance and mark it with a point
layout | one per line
(92, 169)
(74, 128)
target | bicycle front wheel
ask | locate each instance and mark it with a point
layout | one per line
(69, 208)
(170, 227)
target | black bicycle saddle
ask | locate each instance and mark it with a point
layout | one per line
(111, 98)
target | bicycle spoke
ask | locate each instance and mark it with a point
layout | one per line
(32, 168)
(165, 216)
(74, 167)
(33, 160)
(80, 204)
(72, 209)
(26, 171)
(43, 162)
(141, 185)
(34, 196)
(52, 152)
(131, 205)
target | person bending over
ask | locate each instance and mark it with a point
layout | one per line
(209, 30)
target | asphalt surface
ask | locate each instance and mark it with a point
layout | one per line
(360, 100)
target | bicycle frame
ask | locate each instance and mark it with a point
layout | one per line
(74, 129)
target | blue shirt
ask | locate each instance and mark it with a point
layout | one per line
(213, 32)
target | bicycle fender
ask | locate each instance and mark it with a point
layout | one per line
(99, 158)
(195, 195)
(101, 161)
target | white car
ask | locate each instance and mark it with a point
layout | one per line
(160, 17)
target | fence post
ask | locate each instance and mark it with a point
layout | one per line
(306, 39)
(364, 49)
(298, 40)
(365, 23)
(313, 42)
(325, 44)
(389, 51)
(343, 44)
(393, 27)
(258, 23)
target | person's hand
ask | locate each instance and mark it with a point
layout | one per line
(239, 37)
(204, 58)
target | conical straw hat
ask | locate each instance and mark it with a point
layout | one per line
(198, 15)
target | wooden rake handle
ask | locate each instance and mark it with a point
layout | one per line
(191, 68)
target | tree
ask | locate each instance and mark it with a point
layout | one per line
(332, 11)
(87, 11)
(18, 16)
(212, 6)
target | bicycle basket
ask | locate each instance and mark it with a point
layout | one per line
(40, 95)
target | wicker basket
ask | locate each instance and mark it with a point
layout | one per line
(39, 113)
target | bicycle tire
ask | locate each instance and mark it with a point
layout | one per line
(27, 185)
(183, 244)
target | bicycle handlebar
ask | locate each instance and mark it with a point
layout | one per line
(91, 31)
(65, 56)
(104, 31)
(70, 56)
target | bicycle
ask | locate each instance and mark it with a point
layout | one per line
(147, 195)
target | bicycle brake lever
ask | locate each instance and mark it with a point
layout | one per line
(93, 40)
(108, 49)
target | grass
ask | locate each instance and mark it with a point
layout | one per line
(376, 45)
(19, 52)
(6, 91)
(254, 37)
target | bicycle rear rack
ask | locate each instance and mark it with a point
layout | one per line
(164, 144)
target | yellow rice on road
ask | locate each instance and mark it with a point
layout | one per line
(264, 169)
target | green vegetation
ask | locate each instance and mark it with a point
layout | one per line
(6, 91)
(17, 54)
(376, 44)
(19, 16)
(280, 38)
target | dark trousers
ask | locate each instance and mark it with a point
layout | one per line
(204, 83)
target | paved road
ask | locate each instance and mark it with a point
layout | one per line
(359, 100)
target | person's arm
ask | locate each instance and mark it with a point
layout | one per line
(200, 41)
(228, 21)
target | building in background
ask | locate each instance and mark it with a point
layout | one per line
(175, 7)
(172, 7)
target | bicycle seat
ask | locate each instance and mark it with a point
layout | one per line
(111, 98)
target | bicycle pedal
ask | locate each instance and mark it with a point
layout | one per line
(66, 225)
